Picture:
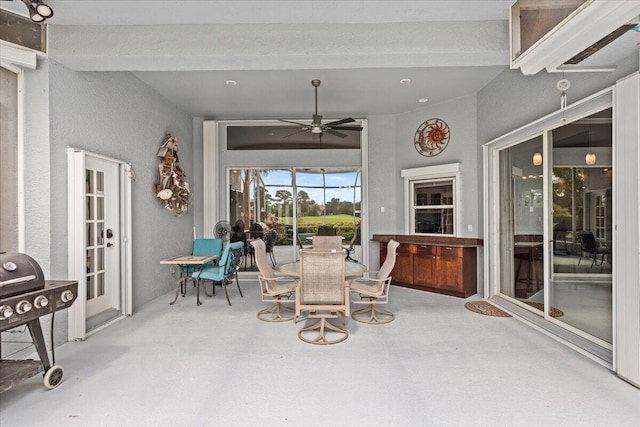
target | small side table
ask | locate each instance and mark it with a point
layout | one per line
(183, 260)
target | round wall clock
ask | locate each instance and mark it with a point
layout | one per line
(432, 137)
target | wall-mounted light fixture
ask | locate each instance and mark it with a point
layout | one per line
(38, 11)
(590, 158)
(537, 159)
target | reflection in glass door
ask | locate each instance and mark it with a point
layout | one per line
(521, 223)
(582, 184)
(574, 289)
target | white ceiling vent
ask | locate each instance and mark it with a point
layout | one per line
(572, 35)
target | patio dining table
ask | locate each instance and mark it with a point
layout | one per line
(351, 269)
(183, 261)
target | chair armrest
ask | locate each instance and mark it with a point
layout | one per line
(367, 275)
(375, 286)
(279, 278)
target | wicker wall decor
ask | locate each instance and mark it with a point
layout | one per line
(173, 189)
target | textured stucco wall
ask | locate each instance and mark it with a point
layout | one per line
(512, 100)
(117, 115)
(460, 115)
(382, 182)
(37, 167)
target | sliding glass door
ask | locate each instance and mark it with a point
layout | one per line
(554, 221)
(580, 291)
(288, 206)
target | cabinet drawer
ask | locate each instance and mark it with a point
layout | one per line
(451, 252)
(425, 250)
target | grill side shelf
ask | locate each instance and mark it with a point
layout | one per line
(60, 294)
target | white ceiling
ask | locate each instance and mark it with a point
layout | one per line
(187, 50)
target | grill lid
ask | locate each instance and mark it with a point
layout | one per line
(19, 273)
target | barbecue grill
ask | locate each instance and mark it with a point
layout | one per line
(258, 230)
(25, 296)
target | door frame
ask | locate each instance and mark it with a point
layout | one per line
(76, 259)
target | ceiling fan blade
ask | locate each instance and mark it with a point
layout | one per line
(358, 128)
(295, 123)
(334, 133)
(295, 133)
(340, 122)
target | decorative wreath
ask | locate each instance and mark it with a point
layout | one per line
(173, 189)
(432, 137)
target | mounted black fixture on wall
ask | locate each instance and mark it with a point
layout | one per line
(38, 11)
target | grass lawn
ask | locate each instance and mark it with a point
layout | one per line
(341, 219)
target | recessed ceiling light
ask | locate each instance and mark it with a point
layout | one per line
(405, 81)
(231, 82)
(270, 134)
(423, 100)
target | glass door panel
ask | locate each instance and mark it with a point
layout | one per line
(521, 223)
(330, 197)
(582, 182)
(261, 202)
(294, 203)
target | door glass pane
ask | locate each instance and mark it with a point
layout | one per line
(89, 181)
(90, 261)
(100, 233)
(99, 182)
(90, 229)
(521, 223)
(582, 225)
(100, 259)
(90, 207)
(100, 284)
(90, 288)
(100, 208)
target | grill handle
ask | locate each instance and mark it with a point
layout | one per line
(18, 279)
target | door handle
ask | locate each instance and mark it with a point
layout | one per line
(109, 244)
(109, 233)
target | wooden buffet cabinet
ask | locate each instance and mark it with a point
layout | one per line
(445, 265)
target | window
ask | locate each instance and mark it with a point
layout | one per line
(432, 199)
(432, 206)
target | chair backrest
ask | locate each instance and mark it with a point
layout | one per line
(587, 240)
(261, 259)
(207, 247)
(390, 260)
(352, 243)
(238, 235)
(234, 251)
(321, 277)
(270, 240)
(326, 230)
(327, 242)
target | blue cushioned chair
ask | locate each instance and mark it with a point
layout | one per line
(226, 269)
(202, 247)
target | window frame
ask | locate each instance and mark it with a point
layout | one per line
(439, 173)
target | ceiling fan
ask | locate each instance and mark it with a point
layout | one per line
(316, 126)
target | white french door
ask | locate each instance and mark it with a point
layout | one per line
(99, 243)
(102, 225)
